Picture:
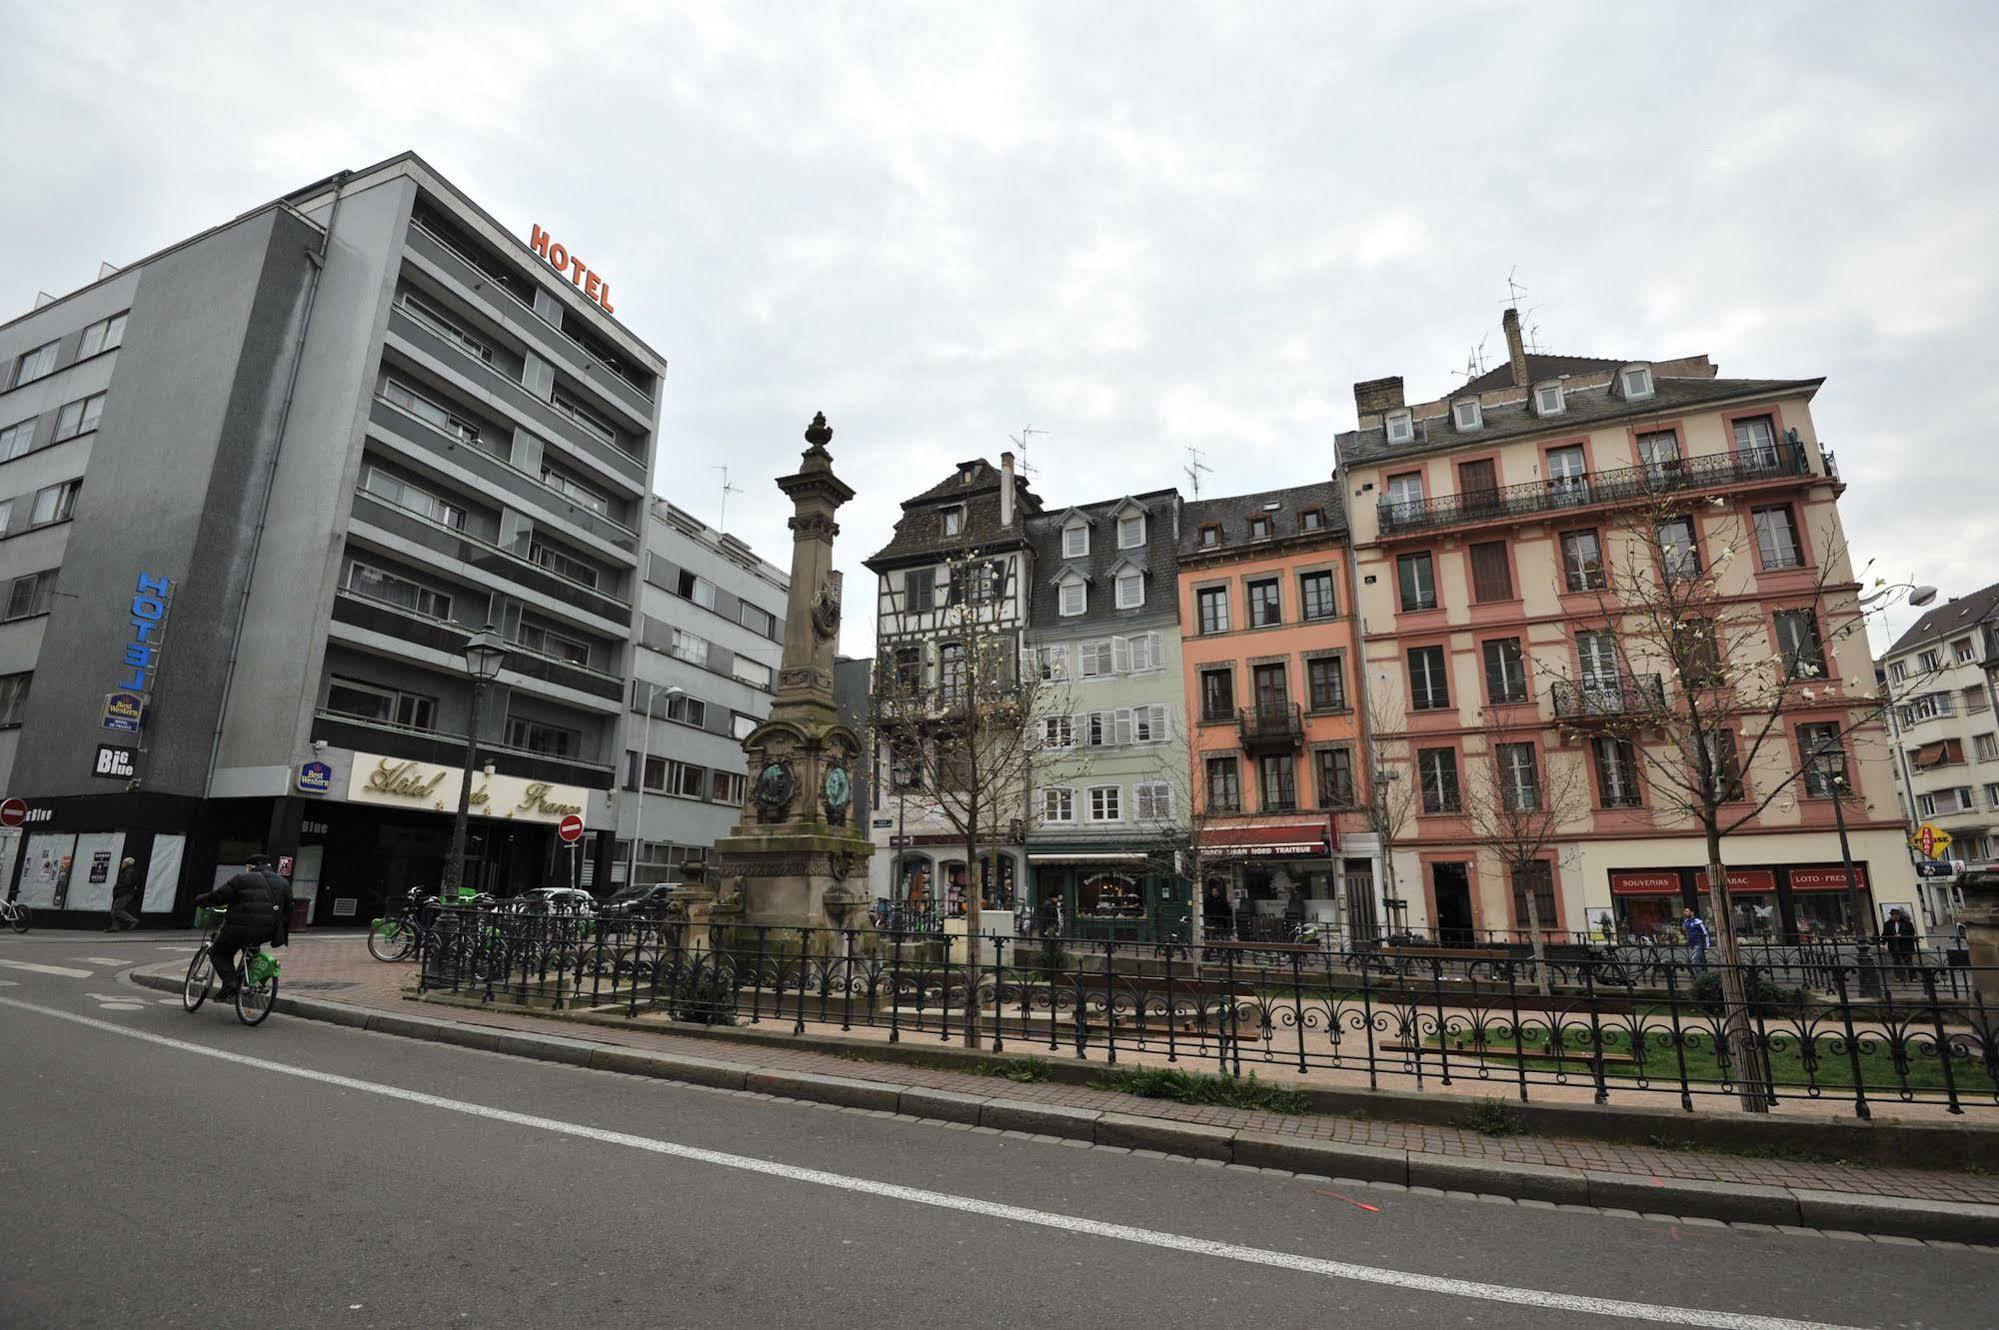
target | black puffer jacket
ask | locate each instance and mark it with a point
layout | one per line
(253, 901)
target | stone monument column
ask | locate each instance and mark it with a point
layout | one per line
(796, 860)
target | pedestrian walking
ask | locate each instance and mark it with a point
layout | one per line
(1698, 939)
(1899, 935)
(1217, 915)
(124, 895)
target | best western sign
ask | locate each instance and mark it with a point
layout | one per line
(591, 284)
(401, 783)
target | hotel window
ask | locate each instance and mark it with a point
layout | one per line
(406, 496)
(1265, 604)
(1130, 590)
(919, 590)
(414, 402)
(1276, 775)
(1519, 779)
(1325, 683)
(390, 589)
(6, 514)
(1401, 426)
(1315, 596)
(684, 645)
(1582, 561)
(15, 440)
(1058, 804)
(1679, 555)
(1428, 688)
(953, 519)
(1334, 768)
(104, 335)
(1821, 758)
(1985, 747)
(547, 642)
(575, 490)
(36, 364)
(752, 672)
(31, 595)
(1075, 598)
(1438, 771)
(1616, 772)
(683, 710)
(79, 417)
(1075, 540)
(741, 726)
(1777, 537)
(1259, 528)
(446, 327)
(1217, 695)
(1416, 577)
(384, 706)
(1105, 803)
(536, 736)
(591, 422)
(13, 697)
(727, 787)
(1131, 531)
(1212, 606)
(759, 621)
(1491, 574)
(1153, 800)
(686, 780)
(563, 565)
(1505, 671)
(1756, 442)
(1224, 784)
(57, 503)
(1798, 642)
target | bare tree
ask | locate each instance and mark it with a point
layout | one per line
(1679, 681)
(1519, 807)
(1392, 788)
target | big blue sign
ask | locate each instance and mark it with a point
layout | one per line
(151, 598)
(315, 778)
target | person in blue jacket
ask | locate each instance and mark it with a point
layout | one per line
(1698, 939)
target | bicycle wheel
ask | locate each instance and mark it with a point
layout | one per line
(391, 940)
(21, 917)
(200, 975)
(254, 1001)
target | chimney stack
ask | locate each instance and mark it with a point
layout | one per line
(1378, 395)
(1516, 350)
(1006, 491)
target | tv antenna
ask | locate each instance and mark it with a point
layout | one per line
(1195, 466)
(1513, 288)
(722, 522)
(1020, 441)
(1474, 361)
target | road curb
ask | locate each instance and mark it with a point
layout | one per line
(1734, 1202)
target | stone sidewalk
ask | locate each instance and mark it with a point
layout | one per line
(337, 969)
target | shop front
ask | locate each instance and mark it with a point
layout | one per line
(1275, 880)
(1109, 896)
(1807, 902)
(931, 880)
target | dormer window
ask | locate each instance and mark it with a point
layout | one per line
(1130, 589)
(1466, 414)
(1259, 528)
(1131, 531)
(1075, 540)
(1211, 536)
(1074, 597)
(954, 520)
(1637, 382)
(1401, 426)
(1548, 398)
(1312, 519)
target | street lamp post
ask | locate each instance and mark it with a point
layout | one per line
(639, 796)
(484, 653)
(1832, 764)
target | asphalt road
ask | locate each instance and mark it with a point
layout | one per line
(316, 1176)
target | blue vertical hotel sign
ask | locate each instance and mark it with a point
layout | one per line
(125, 708)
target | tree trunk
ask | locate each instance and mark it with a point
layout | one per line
(1541, 982)
(972, 892)
(1751, 1077)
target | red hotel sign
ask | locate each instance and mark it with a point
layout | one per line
(593, 286)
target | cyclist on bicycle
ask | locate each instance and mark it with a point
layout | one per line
(256, 898)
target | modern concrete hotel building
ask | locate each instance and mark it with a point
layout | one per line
(257, 492)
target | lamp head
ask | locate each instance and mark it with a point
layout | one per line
(485, 652)
(1922, 595)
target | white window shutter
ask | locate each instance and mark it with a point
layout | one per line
(1124, 726)
(1029, 669)
(1152, 650)
(1120, 656)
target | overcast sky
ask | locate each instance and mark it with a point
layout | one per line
(1139, 227)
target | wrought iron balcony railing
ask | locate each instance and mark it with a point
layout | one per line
(1278, 725)
(1624, 485)
(1639, 695)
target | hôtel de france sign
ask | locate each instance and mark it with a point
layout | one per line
(591, 284)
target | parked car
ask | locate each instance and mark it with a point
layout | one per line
(554, 900)
(639, 902)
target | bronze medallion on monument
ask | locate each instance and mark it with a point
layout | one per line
(826, 613)
(774, 790)
(837, 791)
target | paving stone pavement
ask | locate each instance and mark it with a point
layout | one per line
(338, 968)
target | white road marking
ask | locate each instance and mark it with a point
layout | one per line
(121, 1006)
(104, 960)
(1660, 1314)
(65, 971)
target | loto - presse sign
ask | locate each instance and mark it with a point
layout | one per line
(406, 784)
(591, 284)
(139, 666)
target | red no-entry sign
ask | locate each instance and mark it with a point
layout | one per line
(571, 829)
(15, 811)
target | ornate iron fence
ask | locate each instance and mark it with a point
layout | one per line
(1621, 1022)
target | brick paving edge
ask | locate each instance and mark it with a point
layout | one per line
(1732, 1202)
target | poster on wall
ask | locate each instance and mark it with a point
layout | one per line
(10, 850)
(96, 869)
(163, 874)
(45, 878)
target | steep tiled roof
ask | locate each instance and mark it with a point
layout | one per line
(1162, 601)
(919, 532)
(1540, 367)
(1233, 515)
(1584, 407)
(1958, 615)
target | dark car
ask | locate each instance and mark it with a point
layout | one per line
(554, 900)
(640, 902)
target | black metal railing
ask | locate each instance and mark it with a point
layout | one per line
(1625, 1023)
(1622, 485)
(1272, 725)
(1638, 695)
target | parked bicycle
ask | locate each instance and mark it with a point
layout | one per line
(395, 938)
(17, 915)
(256, 979)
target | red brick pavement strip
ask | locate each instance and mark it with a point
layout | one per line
(340, 970)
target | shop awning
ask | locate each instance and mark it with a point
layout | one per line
(1624, 882)
(1748, 881)
(1085, 857)
(1297, 838)
(1832, 878)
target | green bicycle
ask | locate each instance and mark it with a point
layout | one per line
(256, 980)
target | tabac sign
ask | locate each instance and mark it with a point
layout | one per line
(591, 284)
(402, 783)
